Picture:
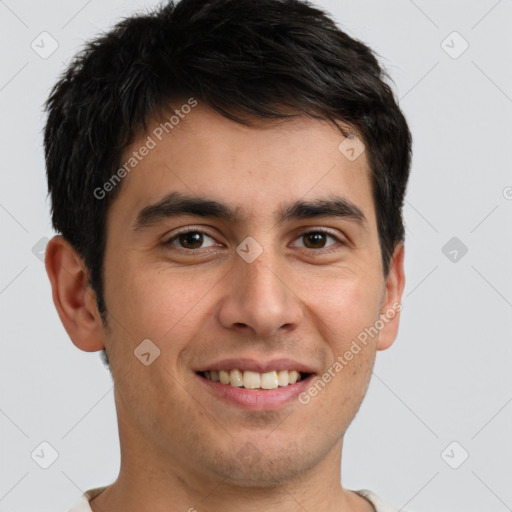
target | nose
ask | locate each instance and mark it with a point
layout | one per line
(260, 298)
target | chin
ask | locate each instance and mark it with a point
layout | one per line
(255, 467)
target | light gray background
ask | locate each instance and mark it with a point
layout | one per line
(447, 378)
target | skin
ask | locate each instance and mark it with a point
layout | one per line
(181, 445)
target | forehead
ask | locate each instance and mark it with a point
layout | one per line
(256, 169)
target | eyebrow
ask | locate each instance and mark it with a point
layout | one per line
(177, 204)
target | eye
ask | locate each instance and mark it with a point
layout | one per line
(317, 239)
(193, 240)
(190, 240)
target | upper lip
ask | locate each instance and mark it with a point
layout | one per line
(257, 365)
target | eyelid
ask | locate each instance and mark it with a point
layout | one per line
(317, 229)
(187, 229)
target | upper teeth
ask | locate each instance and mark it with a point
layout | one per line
(254, 380)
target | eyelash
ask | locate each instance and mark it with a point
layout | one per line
(316, 230)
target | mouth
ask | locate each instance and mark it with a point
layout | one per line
(253, 380)
(253, 384)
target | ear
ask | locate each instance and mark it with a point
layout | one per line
(74, 299)
(392, 300)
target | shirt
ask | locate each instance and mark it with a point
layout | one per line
(379, 505)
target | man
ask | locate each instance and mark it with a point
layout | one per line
(227, 178)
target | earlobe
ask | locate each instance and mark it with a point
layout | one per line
(73, 298)
(392, 303)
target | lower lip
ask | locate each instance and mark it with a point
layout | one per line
(258, 399)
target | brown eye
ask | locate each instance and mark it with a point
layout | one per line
(192, 239)
(317, 239)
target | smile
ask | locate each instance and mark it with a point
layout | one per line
(254, 380)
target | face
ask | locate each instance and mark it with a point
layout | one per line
(247, 283)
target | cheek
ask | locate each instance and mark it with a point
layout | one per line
(162, 302)
(346, 305)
